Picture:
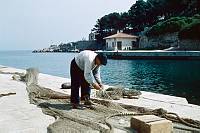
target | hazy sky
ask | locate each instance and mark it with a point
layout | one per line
(33, 24)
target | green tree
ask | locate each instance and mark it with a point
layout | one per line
(138, 15)
(110, 24)
(144, 14)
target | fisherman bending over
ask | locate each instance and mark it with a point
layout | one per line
(84, 68)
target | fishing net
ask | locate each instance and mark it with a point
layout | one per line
(116, 92)
(103, 116)
(56, 104)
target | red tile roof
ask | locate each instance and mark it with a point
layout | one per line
(121, 35)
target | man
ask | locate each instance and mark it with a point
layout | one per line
(84, 68)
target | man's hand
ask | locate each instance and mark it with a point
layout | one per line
(96, 86)
(101, 86)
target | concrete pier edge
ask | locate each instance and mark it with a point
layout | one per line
(21, 109)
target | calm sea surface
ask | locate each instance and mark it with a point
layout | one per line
(178, 78)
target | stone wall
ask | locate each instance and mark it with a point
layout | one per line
(189, 45)
(159, 42)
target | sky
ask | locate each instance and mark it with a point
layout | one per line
(36, 24)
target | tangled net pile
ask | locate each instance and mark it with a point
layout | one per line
(115, 93)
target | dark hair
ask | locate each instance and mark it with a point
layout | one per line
(103, 58)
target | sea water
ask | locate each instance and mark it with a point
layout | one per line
(171, 77)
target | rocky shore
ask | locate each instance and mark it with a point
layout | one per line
(71, 47)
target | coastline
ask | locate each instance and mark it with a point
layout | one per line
(147, 100)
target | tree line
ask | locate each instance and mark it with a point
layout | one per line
(144, 14)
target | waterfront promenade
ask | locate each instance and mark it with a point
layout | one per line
(18, 115)
(152, 54)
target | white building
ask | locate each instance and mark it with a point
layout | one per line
(121, 41)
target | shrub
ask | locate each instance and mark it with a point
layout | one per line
(172, 25)
(191, 31)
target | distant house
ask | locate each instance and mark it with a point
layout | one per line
(121, 41)
(53, 46)
(91, 36)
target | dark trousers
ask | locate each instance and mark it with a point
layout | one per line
(77, 81)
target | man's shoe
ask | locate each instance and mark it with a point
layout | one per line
(88, 102)
(77, 106)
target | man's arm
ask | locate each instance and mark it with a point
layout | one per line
(97, 77)
(87, 72)
(88, 76)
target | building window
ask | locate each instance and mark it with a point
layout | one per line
(119, 45)
(113, 44)
(133, 44)
(107, 44)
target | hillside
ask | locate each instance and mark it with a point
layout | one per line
(187, 27)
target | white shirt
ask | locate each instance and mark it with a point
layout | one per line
(86, 62)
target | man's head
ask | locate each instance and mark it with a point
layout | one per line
(101, 59)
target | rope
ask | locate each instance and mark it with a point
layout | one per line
(158, 112)
(17, 73)
(8, 94)
(161, 113)
(187, 122)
